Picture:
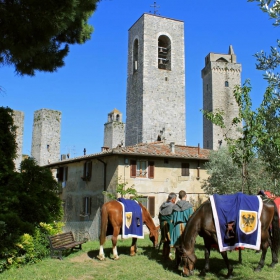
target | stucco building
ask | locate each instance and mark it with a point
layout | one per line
(153, 169)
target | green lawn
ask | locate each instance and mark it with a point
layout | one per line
(147, 265)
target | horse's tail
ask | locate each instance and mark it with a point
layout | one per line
(275, 233)
(104, 224)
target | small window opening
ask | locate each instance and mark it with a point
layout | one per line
(226, 83)
(135, 56)
(164, 53)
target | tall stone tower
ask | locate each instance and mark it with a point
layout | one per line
(18, 118)
(155, 102)
(46, 136)
(220, 75)
(114, 130)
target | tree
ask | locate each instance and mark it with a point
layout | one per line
(224, 175)
(8, 144)
(35, 35)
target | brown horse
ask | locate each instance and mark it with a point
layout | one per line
(202, 223)
(112, 216)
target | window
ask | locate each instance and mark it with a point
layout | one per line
(149, 203)
(86, 206)
(141, 169)
(87, 171)
(185, 169)
(135, 56)
(62, 175)
(226, 83)
(164, 53)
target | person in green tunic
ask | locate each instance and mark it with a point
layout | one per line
(166, 223)
(182, 211)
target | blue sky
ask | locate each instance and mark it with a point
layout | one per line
(93, 81)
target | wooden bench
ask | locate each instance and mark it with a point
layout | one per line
(61, 242)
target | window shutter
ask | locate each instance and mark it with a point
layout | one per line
(185, 169)
(85, 169)
(60, 174)
(89, 205)
(66, 173)
(84, 205)
(133, 168)
(151, 205)
(89, 169)
(151, 169)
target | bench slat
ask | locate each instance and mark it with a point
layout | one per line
(63, 241)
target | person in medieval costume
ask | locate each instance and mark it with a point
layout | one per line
(166, 223)
(182, 211)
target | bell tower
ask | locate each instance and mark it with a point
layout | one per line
(155, 102)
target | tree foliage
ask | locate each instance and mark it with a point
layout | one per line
(225, 175)
(35, 35)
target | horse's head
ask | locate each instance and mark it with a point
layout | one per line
(154, 233)
(188, 260)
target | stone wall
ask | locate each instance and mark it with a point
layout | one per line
(220, 75)
(46, 136)
(18, 118)
(155, 104)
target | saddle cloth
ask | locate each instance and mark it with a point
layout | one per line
(132, 219)
(237, 220)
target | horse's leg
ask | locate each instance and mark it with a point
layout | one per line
(114, 242)
(264, 246)
(207, 256)
(102, 237)
(274, 253)
(229, 266)
(133, 247)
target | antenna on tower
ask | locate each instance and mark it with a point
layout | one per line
(155, 8)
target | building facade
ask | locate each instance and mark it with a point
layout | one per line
(220, 75)
(46, 136)
(155, 101)
(153, 169)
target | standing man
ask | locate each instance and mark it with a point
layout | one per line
(166, 223)
(182, 211)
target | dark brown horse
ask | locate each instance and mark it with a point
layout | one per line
(202, 223)
(112, 216)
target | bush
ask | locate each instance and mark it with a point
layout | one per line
(27, 248)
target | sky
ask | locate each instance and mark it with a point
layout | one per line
(93, 81)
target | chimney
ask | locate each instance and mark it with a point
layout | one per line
(172, 147)
(198, 148)
(104, 149)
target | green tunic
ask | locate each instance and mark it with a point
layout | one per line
(180, 215)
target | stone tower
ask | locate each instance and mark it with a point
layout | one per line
(220, 75)
(46, 136)
(18, 118)
(155, 102)
(114, 130)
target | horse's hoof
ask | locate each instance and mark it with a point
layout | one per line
(257, 269)
(273, 264)
(116, 258)
(202, 273)
(101, 258)
(184, 275)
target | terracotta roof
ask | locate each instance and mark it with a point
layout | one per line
(156, 149)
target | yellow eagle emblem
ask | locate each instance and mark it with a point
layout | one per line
(248, 221)
(128, 219)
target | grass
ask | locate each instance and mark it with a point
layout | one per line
(147, 265)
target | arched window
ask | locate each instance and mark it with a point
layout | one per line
(117, 117)
(164, 53)
(135, 56)
(226, 83)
